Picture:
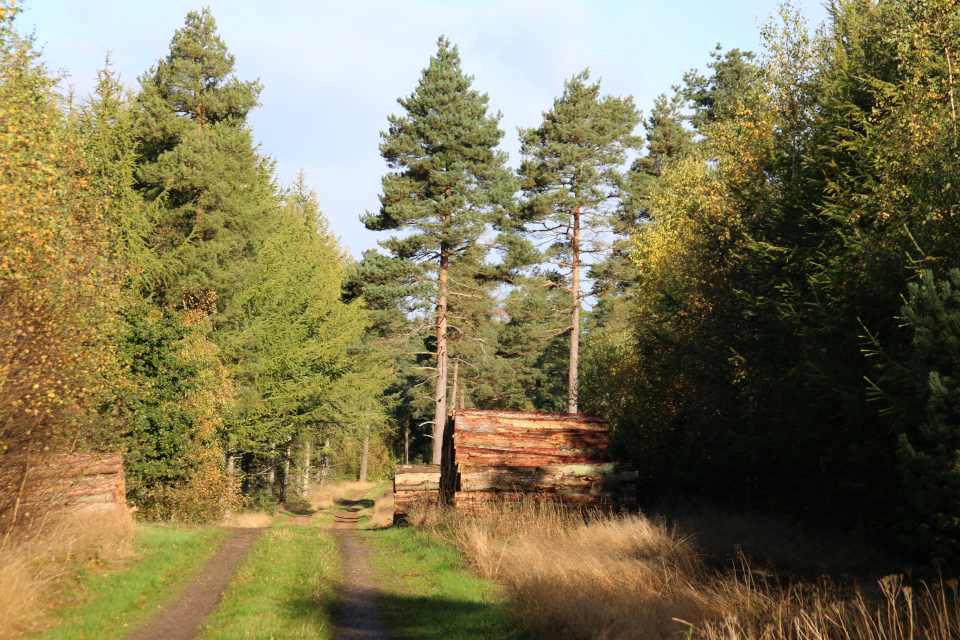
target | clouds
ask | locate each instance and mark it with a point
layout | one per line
(332, 71)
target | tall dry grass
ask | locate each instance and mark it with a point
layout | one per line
(382, 512)
(35, 559)
(578, 576)
(326, 495)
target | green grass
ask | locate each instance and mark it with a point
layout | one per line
(108, 604)
(286, 587)
(428, 592)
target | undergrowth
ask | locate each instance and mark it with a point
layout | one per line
(586, 575)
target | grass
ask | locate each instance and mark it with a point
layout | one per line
(590, 576)
(323, 496)
(94, 603)
(427, 591)
(285, 588)
(34, 560)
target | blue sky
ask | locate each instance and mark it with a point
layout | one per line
(332, 71)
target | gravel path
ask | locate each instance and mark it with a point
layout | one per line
(358, 616)
(180, 620)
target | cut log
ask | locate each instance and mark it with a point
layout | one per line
(551, 479)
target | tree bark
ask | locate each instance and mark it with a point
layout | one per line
(272, 475)
(286, 473)
(453, 393)
(406, 441)
(305, 477)
(440, 407)
(574, 314)
(325, 465)
(363, 460)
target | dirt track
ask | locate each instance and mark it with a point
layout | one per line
(358, 616)
(180, 620)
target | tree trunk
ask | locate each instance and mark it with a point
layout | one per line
(286, 474)
(406, 441)
(363, 460)
(272, 475)
(305, 481)
(325, 465)
(453, 391)
(574, 313)
(440, 408)
(230, 465)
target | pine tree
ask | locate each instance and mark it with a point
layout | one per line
(571, 175)
(448, 186)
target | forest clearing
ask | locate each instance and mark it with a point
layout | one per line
(688, 373)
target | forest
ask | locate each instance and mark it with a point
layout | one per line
(757, 283)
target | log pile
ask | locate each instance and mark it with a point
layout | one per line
(88, 482)
(413, 483)
(509, 456)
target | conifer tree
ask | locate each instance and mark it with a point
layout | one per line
(571, 175)
(447, 188)
(197, 155)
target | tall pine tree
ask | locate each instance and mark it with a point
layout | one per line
(571, 176)
(447, 188)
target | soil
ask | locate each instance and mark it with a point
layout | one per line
(179, 621)
(358, 616)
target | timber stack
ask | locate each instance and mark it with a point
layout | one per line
(413, 483)
(493, 456)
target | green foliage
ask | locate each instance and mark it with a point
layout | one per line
(570, 173)
(58, 290)
(197, 154)
(929, 448)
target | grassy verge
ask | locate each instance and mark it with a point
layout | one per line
(285, 588)
(428, 592)
(94, 604)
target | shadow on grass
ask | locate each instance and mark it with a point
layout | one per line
(415, 617)
(428, 617)
(355, 505)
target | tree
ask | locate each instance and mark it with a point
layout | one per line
(448, 187)
(197, 157)
(570, 174)
(58, 291)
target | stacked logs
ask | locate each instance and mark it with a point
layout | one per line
(413, 483)
(510, 455)
(77, 482)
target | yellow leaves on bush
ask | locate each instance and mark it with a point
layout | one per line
(56, 290)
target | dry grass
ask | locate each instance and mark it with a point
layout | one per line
(382, 512)
(248, 520)
(327, 495)
(35, 559)
(588, 576)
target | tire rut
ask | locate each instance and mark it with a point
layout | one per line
(358, 616)
(180, 620)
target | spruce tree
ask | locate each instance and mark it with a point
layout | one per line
(447, 188)
(571, 176)
(198, 158)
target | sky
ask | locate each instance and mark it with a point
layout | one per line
(332, 71)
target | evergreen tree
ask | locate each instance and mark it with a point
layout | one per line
(571, 171)
(448, 187)
(197, 157)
